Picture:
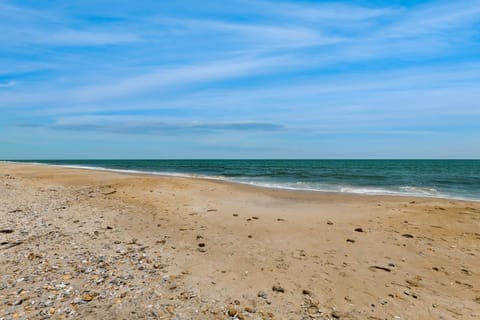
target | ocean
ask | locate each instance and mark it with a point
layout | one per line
(455, 179)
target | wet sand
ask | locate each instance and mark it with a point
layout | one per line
(86, 244)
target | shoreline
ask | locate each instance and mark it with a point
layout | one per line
(231, 181)
(89, 244)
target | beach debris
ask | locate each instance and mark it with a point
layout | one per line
(415, 282)
(358, 230)
(407, 235)
(211, 210)
(235, 214)
(350, 240)
(278, 288)
(8, 245)
(6, 231)
(87, 297)
(329, 222)
(280, 219)
(306, 292)
(231, 310)
(380, 268)
(15, 211)
(249, 309)
(262, 294)
(466, 271)
(110, 192)
(255, 218)
(410, 294)
(170, 309)
(201, 244)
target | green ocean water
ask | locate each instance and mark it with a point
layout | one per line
(458, 179)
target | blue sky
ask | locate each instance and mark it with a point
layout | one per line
(239, 79)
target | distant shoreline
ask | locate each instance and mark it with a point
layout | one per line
(223, 179)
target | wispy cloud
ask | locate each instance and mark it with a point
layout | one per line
(8, 84)
(141, 125)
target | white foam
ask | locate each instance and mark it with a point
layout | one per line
(408, 191)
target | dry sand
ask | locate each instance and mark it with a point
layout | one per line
(90, 245)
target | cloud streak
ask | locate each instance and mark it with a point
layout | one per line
(138, 125)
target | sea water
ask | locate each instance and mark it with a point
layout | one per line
(456, 179)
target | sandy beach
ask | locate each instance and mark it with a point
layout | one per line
(86, 244)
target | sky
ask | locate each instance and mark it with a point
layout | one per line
(239, 79)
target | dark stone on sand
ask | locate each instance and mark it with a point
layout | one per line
(278, 288)
(351, 240)
(201, 244)
(407, 235)
(358, 229)
(6, 231)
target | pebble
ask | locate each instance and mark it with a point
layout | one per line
(249, 310)
(278, 288)
(231, 310)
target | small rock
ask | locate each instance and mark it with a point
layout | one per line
(262, 294)
(249, 310)
(78, 301)
(87, 298)
(466, 271)
(336, 314)
(358, 229)
(255, 218)
(278, 288)
(201, 244)
(312, 310)
(351, 240)
(306, 292)
(231, 310)
(410, 294)
(329, 222)
(407, 235)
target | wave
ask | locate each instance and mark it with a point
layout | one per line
(272, 183)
